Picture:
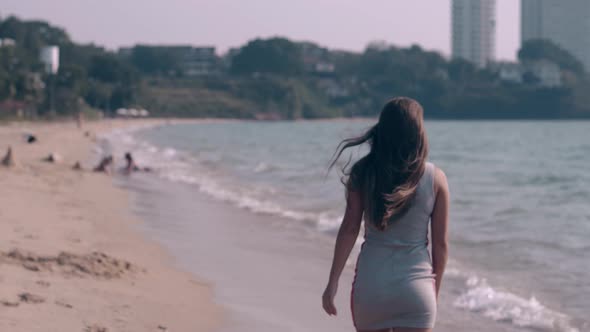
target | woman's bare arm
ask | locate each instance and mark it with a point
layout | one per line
(440, 223)
(347, 235)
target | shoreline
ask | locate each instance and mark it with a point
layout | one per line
(71, 254)
(271, 253)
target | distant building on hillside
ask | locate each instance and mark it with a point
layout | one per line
(316, 59)
(200, 61)
(546, 73)
(566, 23)
(542, 73)
(228, 57)
(6, 42)
(193, 61)
(324, 67)
(125, 51)
(333, 88)
(474, 30)
(508, 71)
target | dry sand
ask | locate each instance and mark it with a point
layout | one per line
(70, 256)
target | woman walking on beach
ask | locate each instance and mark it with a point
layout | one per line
(398, 194)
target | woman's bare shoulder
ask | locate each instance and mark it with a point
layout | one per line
(440, 180)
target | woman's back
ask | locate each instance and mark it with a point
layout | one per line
(411, 229)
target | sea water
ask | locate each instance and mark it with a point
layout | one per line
(520, 215)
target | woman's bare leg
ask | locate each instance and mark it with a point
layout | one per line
(410, 329)
(398, 329)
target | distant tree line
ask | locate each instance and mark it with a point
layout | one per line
(89, 75)
(278, 79)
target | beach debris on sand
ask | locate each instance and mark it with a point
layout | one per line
(77, 166)
(64, 304)
(53, 158)
(95, 328)
(43, 283)
(30, 298)
(24, 297)
(95, 264)
(9, 303)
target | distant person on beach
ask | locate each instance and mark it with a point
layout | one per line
(399, 195)
(30, 138)
(79, 120)
(131, 166)
(105, 165)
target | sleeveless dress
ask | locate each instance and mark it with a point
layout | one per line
(394, 283)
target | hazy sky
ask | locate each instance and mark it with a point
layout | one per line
(342, 24)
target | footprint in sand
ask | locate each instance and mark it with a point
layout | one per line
(43, 283)
(95, 328)
(30, 298)
(8, 303)
(63, 304)
(95, 264)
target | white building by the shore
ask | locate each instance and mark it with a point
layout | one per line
(564, 22)
(474, 30)
(50, 58)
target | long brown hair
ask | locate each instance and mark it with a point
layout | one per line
(389, 174)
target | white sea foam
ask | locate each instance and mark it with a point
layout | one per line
(329, 222)
(510, 308)
(170, 153)
(175, 166)
(262, 167)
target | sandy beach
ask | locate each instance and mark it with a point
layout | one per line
(71, 255)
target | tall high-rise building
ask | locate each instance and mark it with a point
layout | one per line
(566, 23)
(474, 30)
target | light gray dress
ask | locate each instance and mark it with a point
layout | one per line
(394, 283)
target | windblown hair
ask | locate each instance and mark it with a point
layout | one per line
(388, 175)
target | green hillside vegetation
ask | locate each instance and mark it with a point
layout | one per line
(277, 79)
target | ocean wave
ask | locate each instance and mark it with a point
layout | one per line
(247, 200)
(169, 152)
(507, 307)
(177, 166)
(263, 167)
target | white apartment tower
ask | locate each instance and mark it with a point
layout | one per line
(564, 22)
(474, 30)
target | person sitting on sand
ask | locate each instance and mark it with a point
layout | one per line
(30, 138)
(77, 166)
(105, 165)
(132, 166)
(9, 160)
